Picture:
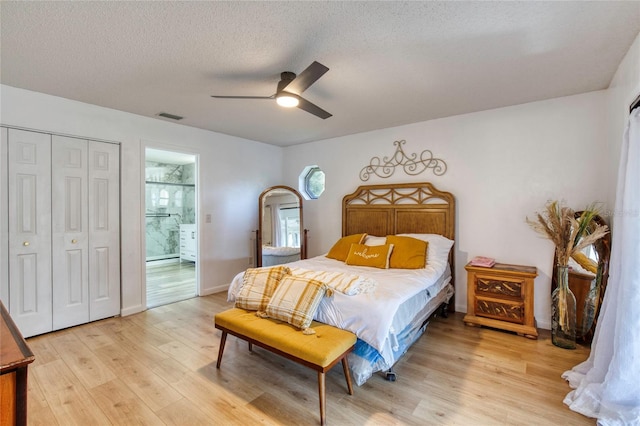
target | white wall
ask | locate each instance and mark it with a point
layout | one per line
(624, 88)
(503, 165)
(232, 174)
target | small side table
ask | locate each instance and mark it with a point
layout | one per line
(502, 297)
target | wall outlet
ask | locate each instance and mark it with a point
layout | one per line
(207, 218)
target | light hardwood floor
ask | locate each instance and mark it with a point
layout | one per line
(158, 367)
(170, 282)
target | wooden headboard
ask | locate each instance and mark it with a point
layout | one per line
(401, 208)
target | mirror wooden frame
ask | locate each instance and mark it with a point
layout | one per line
(303, 231)
(580, 284)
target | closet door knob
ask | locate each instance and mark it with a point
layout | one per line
(74, 241)
(26, 243)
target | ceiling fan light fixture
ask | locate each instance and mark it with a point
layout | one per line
(287, 100)
(290, 87)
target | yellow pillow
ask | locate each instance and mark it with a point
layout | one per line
(408, 253)
(340, 250)
(363, 255)
(296, 300)
(258, 287)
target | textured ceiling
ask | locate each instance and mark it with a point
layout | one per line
(391, 63)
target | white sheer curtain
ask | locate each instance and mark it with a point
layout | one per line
(276, 225)
(607, 384)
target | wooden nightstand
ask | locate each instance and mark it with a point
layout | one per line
(502, 297)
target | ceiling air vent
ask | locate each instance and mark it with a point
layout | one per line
(171, 116)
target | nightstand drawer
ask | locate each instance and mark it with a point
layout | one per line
(502, 297)
(502, 310)
(499, 287)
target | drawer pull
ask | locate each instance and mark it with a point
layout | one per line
(26, 243)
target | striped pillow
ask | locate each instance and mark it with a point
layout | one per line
(258, 287)
(296, 300)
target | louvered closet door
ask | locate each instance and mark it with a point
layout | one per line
(104, 230)
(69, 218)
(29, 171)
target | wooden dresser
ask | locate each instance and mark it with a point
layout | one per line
(15, 356)
(502, 297)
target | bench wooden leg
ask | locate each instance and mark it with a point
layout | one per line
(347, 375)
(223, 340)
(322, 397)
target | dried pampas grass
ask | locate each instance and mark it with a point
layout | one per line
(568, 233)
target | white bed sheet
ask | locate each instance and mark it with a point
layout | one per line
(370, 316)
(280, 251)
(408, 325)
(408, 311)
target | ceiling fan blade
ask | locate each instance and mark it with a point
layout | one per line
(243, 97)
(313, 109)
(306, 78)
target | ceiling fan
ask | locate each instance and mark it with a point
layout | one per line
(291, 87)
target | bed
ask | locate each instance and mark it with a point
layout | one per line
(388, 309)
(278, 255)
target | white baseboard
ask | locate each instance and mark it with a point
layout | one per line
(139, 308)
(545, 325)
(132, 310)
(213, 290)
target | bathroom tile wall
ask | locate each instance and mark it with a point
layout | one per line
(170, 201)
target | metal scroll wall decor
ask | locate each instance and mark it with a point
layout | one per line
(411, 164)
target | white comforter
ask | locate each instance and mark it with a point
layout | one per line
(369, 315)
(280, 251)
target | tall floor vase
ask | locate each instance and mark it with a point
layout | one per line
(591, 303)
(563, 311)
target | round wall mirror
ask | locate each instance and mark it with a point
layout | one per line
(281, 237)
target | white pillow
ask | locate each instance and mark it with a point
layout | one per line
(372, 240)
(438, 249)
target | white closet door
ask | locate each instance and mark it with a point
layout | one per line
(70, 232)
(104, 230)
(29, 170)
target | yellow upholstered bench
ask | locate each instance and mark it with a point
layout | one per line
(320, 351)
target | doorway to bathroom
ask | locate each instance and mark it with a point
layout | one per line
(171, 233)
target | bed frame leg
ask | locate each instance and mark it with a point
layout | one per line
(223, 340)
(444, 310)
(390, 375)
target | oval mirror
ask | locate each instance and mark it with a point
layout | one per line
(588, 275)
(281, 237)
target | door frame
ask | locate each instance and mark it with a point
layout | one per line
(164, 146)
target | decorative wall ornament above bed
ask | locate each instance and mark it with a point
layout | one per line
(411, 164)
